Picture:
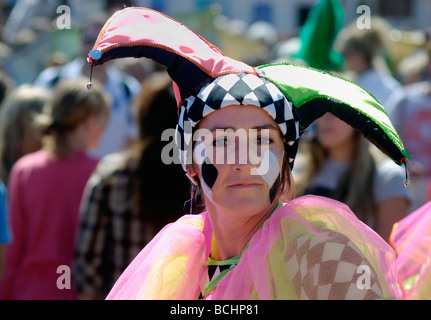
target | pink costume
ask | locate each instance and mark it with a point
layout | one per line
(411, 238)
(282, 260)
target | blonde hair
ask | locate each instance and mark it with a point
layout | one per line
(18, 135)
(71, 104)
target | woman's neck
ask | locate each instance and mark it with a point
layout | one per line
(233, 231)
(77, 140)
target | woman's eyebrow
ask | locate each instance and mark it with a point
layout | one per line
(269, 126)
(266, 126)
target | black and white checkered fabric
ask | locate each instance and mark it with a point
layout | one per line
(237, 89)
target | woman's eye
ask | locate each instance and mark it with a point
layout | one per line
(220, 142)
(264, 140)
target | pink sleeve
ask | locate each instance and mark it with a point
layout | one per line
(411, 239)
(171, 266)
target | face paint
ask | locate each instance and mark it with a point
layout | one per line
(269, 170)
(209, 176)
(209, 173)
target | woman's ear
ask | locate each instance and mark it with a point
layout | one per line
(192, 174)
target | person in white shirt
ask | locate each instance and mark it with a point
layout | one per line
(363, 51)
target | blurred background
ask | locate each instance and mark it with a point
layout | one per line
(254, 31)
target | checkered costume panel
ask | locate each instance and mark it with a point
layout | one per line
(238, 89)
(330, 270)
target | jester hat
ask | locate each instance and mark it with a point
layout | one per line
(206, 80)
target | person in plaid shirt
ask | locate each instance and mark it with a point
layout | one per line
(126, 201)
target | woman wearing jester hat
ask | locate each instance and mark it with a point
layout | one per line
(253, 240)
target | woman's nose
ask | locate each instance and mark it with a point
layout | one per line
(246, 155)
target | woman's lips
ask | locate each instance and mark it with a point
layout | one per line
(244, 185)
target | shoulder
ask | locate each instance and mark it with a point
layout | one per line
(32, 161)
(176, 253)
(411, 92)
(379, 78)
(37, 163)
(388, 181)
(182, 232)
(418, 88)
(117, 163)
(329, 250)
(112, 167)
(309, 203)
(195, 221)
(313, 214)
(388, 169)
(317, 215)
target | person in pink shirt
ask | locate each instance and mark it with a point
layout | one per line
(44, 194)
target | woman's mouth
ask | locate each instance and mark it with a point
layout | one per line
(244, 185)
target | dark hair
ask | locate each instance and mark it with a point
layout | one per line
(163, 189)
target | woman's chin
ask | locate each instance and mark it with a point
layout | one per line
(248, 204)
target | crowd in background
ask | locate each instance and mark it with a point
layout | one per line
(82, 169)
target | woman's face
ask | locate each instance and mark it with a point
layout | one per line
(239, 160)
(333, 132)
(355, 61)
